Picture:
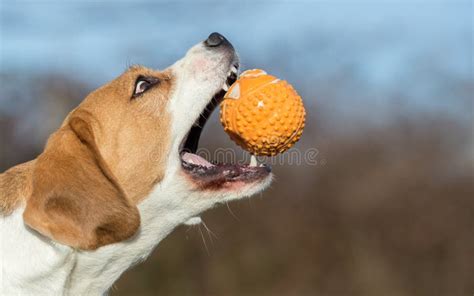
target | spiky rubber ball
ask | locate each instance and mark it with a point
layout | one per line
(262, 114)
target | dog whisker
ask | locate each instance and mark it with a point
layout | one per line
(204, 240)
(209, 232)
(230, 211)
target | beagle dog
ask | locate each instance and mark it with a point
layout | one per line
(118, 176)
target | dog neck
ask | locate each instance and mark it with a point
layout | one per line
(39, 265)
(161, 212)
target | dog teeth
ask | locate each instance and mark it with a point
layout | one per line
(231, 77)
(253, 161)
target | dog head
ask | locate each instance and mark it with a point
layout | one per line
(131, 145)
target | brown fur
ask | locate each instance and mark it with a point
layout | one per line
(15, 185)
(98, 166)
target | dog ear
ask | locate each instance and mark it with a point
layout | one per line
(76, 199)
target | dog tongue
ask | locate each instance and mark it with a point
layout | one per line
(196, 159)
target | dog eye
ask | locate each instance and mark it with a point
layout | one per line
(143, 84)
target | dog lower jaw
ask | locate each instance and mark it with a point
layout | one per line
(224, 177)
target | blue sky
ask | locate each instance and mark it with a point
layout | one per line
(419, 50)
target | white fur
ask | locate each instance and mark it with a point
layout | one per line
(31, 264)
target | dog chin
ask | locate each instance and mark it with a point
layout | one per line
(242, 190)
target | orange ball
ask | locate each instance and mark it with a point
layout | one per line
(262, 114)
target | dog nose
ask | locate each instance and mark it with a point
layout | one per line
(215, 39)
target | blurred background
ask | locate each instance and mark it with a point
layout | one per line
(385, 208)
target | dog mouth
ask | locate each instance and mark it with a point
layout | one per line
(210, 174)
